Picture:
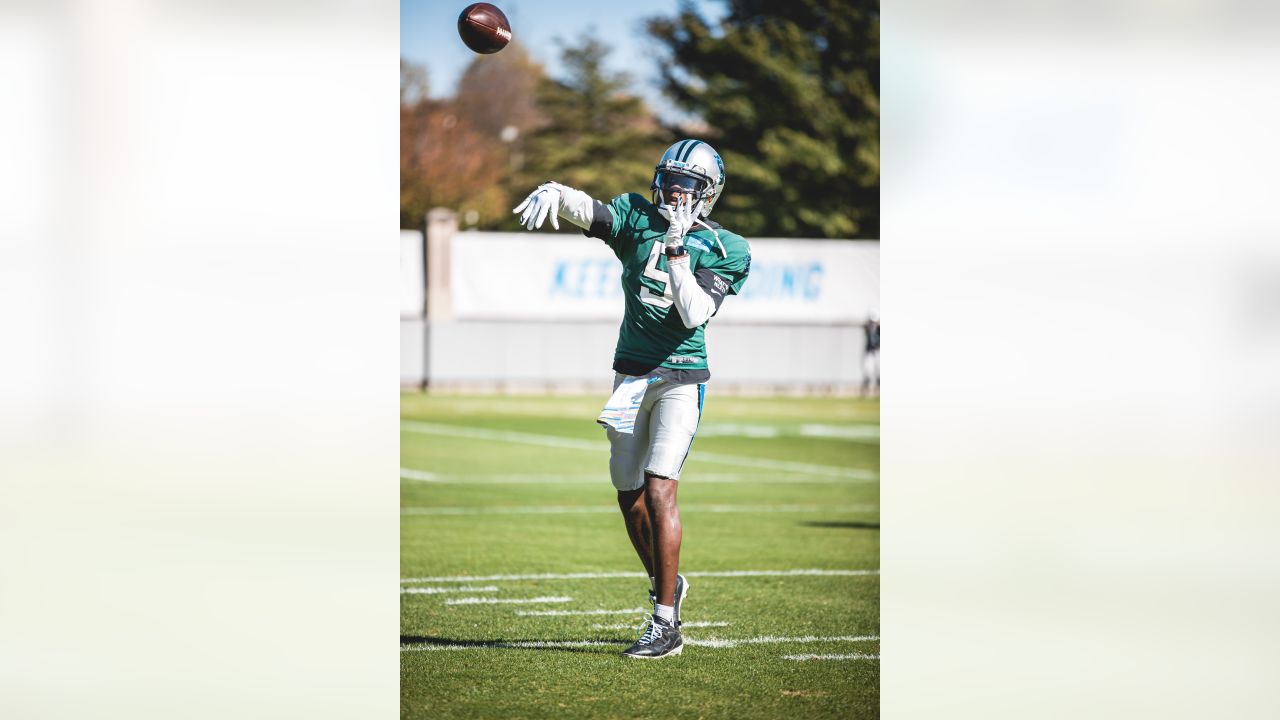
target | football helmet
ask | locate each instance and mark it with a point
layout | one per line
(692, 167)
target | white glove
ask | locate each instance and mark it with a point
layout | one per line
(541, 202)
(680, 220)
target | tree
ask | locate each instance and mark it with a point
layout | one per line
(498, 96)
(790, 92)
(414, 86)
(598, 137)
(500, 91)
(510, 127)
(444, 161)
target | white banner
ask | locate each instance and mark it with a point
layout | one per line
(412, 283)
(542, 276)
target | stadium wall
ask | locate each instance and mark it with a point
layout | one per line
(519, 312)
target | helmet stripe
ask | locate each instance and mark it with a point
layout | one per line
(675, 155)
(689, 150)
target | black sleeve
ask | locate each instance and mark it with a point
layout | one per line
(713, 284)
(601, 222)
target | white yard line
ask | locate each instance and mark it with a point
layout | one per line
(530, 510)
(854, 656)
(852, 433)
(771, 640)
(856, 433)
(602, 478)
(635, 626)
(451, 589)
(595, 478)
(717, 643)
(776, 573)
(508, 645)
(609, 575)
(595, 509)
(514, 601)
(601, 446)
(509, 436)
(559, 613)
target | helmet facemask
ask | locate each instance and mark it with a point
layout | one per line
(695, 169)
(695, 186)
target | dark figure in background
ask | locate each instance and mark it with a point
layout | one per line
(871, 356)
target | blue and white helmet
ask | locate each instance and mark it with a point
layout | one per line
(695, 167)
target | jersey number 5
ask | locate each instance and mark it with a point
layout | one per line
(652, 272)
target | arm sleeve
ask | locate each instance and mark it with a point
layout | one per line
(613, 223)
(601, 225)
(713, 285)
(693, 303)
(577, 207)
(732, 270)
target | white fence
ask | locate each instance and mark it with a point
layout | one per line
(540, 311)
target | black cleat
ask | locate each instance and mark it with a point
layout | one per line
(661, 639)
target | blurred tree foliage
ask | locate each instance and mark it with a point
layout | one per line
(458, 153)
(509, 128)
(598, 137)
(791, 93)
(444, 161)
(413, 83)
(500, 91)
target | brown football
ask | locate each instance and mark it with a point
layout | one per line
(484, 28)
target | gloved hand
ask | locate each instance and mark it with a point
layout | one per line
(681, 220)
(541, 203)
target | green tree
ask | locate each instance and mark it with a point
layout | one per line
(598, 137)
(791, 94)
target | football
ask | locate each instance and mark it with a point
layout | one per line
(484, 28)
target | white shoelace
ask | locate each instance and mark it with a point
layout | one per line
(652, 634)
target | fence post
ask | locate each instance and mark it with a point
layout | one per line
(441, 226)
(438, 229)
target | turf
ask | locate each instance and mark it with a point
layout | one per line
(483, 463)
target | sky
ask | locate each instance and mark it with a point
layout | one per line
(429, 36)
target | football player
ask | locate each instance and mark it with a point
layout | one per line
(677, 268)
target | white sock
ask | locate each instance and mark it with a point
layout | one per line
(666, 612)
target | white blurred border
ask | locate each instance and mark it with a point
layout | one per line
(198, 410)
(1080, 423)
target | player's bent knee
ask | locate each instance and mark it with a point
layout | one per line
(660, 490)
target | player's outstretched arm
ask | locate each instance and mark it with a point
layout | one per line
(551, 199)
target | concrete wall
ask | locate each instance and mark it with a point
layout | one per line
(413, 345)
(525, 356)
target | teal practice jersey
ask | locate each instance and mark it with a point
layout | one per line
(652, 334)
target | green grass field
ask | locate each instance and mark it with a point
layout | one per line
(496, 487)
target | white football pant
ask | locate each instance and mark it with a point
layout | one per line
(664, 431)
